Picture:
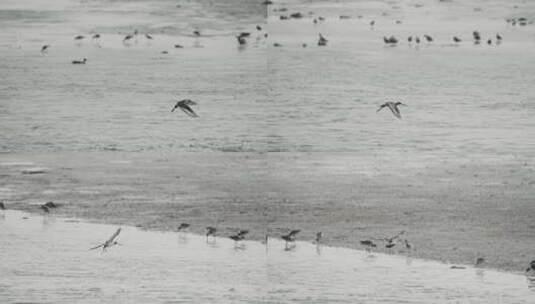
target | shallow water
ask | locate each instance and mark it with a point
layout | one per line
(46, 260)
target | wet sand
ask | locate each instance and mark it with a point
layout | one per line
(183, 268)
(451, 211)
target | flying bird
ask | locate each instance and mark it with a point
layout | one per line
(393, 106)
(44, 48)
(128, 37)
(110, 242)
(148, 36)
(184, 105)
(428, 38)
(79, 37)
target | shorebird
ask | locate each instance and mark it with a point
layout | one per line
(196, 33)
(127, 38)
(319, 235)
(393, 106)
(2, 206)
(480, 261)
(148, 36)
(44, 208)
(183, 227)
(372, 23)
(79, 37)
(390, 245)
(391, 40)
(369, 244)
(277, 44)
(489, 42)
(110, 242)
(96, 36)
(498, 38)
(240, 236)
(477, 37)
(531, 266)
(417, 39)
(258, 28)
(428, 38)
(241, 40)
(290, 237)
(407, 244)
(184, 105)
(44, 48)
(409, 39)
(178, 46)
(83, 61)
(322, 41)
(210, 231)
(456, 39)
(50, 204)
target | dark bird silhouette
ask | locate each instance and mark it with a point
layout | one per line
(456, 39)
(489, 42)
(391, 40)
(477, 36)
(44, 208)
(428, 38)
(240, 236)
(241, 40)
(457, 267)
(258, 28)
(480, 261)
(369, 244)
(96, 36)
(83, 61)
(319, 236)
(407, 244)
(409, 39)
(44, 48)
(79, 37)
(184, 105)
(390, 245)
(128, 37)
(531, 266)
(50, 204)
(196, 33)
(372, 23)
(178, 46)
(498, 38)
(183, 227)
(110, 242)
(417, 39)
(244, 34)
(322, 41)
(290, 237)
(2, 206)
(393, 106)
(210, 231)
(276, 44)
(148, 36)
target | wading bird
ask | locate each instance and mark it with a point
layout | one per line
(183, 227)
(456, 39)
(210, 231)
(369, 244)
(240, 236)
(428, 38)
(480, 261)
(322, 41)
(531, 266)
(184, 105)
(110, 242)
(291, 236)
(44, 208)
(319, 235)
(393, 106)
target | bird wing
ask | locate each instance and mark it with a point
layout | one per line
(394, 110)
(381, 107)
(110, 240)
(294, 232)
(188, 110)
(96, 247)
